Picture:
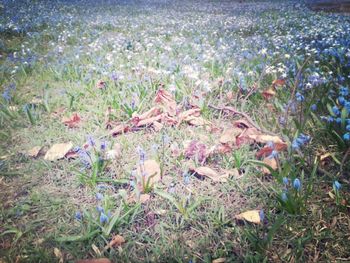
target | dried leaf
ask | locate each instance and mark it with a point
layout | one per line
(119, 129)
(212, 174)
(252, 216)
(73, 121)
(263, 138)
(219, 260)
(167, 100)
(268, 94)
(229, 136)
(267, 150)
(196, 121)
(196, 150)
(150, 169)
(157, 126)
(278, 82)
(149, 121)
(155, 111)
(175, 149)
(270, 162)
(94, 260)
(58, 151)
(34, 152)
(117, 241)
(58, 254)
(96, 250)
(192, 112)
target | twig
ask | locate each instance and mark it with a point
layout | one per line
(245, 115)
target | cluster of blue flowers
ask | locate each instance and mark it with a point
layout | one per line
(7, 96)
(300, 141)
(296, 185)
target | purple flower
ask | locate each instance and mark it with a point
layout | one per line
(78, 216)
(100, 209)
(299, 97)
(285, 181)
(284, 197)
(91, 141)
(103, 145)
(103, 218)
(336, 186)
(313, 107)
(99, 196)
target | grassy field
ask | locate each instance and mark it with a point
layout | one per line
(174, 131)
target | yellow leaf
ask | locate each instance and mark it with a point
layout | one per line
(264, 138)
(252, 216)
(58, 151)
(271, 162)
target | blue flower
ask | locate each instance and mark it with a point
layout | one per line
(346, 136)
(261, 215)
(338, 120)
(273, 154)
(335, 110)
(99, 196)
(348, 127)
(336, 185)
(341, 100)
(284, 197)
(344, 91)
(330, 119)
(296, 184)
(100, 209)
(91, 141)
(313, 107)
(299, 97)
(103, 218)
(78, 216)
(103, 145)
(285, 181)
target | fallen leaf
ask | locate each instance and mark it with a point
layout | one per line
(268, 94)
(58, 151)
(175, 149)
(196, 150)
(73, 121)
(96, 250)
(117, 241)
(94, 260)
(58, 254)
(196, 121)
(212, 174)
(252, 216)
(148, 121)
(267, 150)
(229, 136)
(192, 112)
(157, 126)
(230, 95)
(219, 260)
(119, 129)
(154, 111)
(34, 152)
(167, 100)
(264, 138)
(150, 170)
(278, 82)
(270, 162)
(241, 123)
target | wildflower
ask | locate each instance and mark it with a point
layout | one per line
(341, 100)
(142, 154)
(313, 107)
(103, 145)
(100, 209)
(336, 186)
(296, 184)
(348, 127)
(285, 181)
(344, 91)
(99, 196)
(103, 218)
(335, 110)
(299, 97)
(346, 136)
(261, 215)
(91, 140)
(274, 154)
(284, 197)
(78, 216)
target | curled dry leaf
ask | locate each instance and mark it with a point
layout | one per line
(73, 121)
(157, 126)
(120, 129)
(264, 138)
(267, 150)
(219, 260)
(278, 82)
(270, 162)
(58, 151)
(197, 121)
(192, 112)
(268, 94)
(241, 123)
(229, 136)
(34, 152)
(252, 216)
(155, 111)
(117, 241)
(196, 150)
(167, 100)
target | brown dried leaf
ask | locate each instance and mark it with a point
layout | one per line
(167, 100)
(270, 162)
(117, 241)
(58, 151)
(242, 123)
(219, 260)
(34, 152)
(196, 121)
(252, 216)
(196, 150)
(155, 111)
(148, 121)
(204, 171)
(268, 94)
(278, 82)
(229, 135)
(192, 112)
(264, 138)
(157, 126)
(73, 121)
(150, 169)
(267, 150)
(119, 129)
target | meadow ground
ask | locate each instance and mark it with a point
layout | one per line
(174, 131)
